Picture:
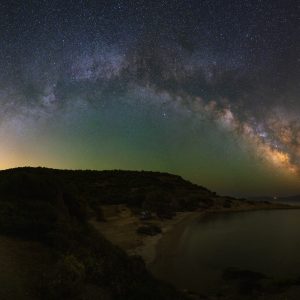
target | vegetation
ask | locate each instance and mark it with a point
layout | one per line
(149, 229)
(84, 191)
(53, 207)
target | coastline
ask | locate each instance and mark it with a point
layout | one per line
(155, 246)
(148, 250)
(168, 248)
(121, 224)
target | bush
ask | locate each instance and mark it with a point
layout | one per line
(53, 206)
(165, 214)
(227, 204)
(149, 229)
(65, 280)
(95, 269)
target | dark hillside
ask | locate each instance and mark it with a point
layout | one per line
(153, 190)
(52, 207)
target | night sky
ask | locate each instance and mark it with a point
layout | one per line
(208, 90)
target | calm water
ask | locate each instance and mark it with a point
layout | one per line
(195, 256)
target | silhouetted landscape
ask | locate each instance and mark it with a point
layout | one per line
(50, 218)
(292, 200)
(203, 96)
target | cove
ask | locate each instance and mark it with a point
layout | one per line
(204, 255)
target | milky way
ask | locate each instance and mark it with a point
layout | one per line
(124, 84)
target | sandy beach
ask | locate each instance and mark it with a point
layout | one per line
(121, 225)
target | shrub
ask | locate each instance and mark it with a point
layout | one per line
(227, 204)
(149, 229)
(65, 280)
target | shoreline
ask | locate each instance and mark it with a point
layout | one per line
(168, 249)
(150, 250)
(121, 224)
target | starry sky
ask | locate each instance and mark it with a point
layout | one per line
(208, 90)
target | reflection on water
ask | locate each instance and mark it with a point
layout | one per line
(196, 256)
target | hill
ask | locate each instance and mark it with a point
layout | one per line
(52, 210)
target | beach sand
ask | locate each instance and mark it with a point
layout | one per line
(121, 223)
